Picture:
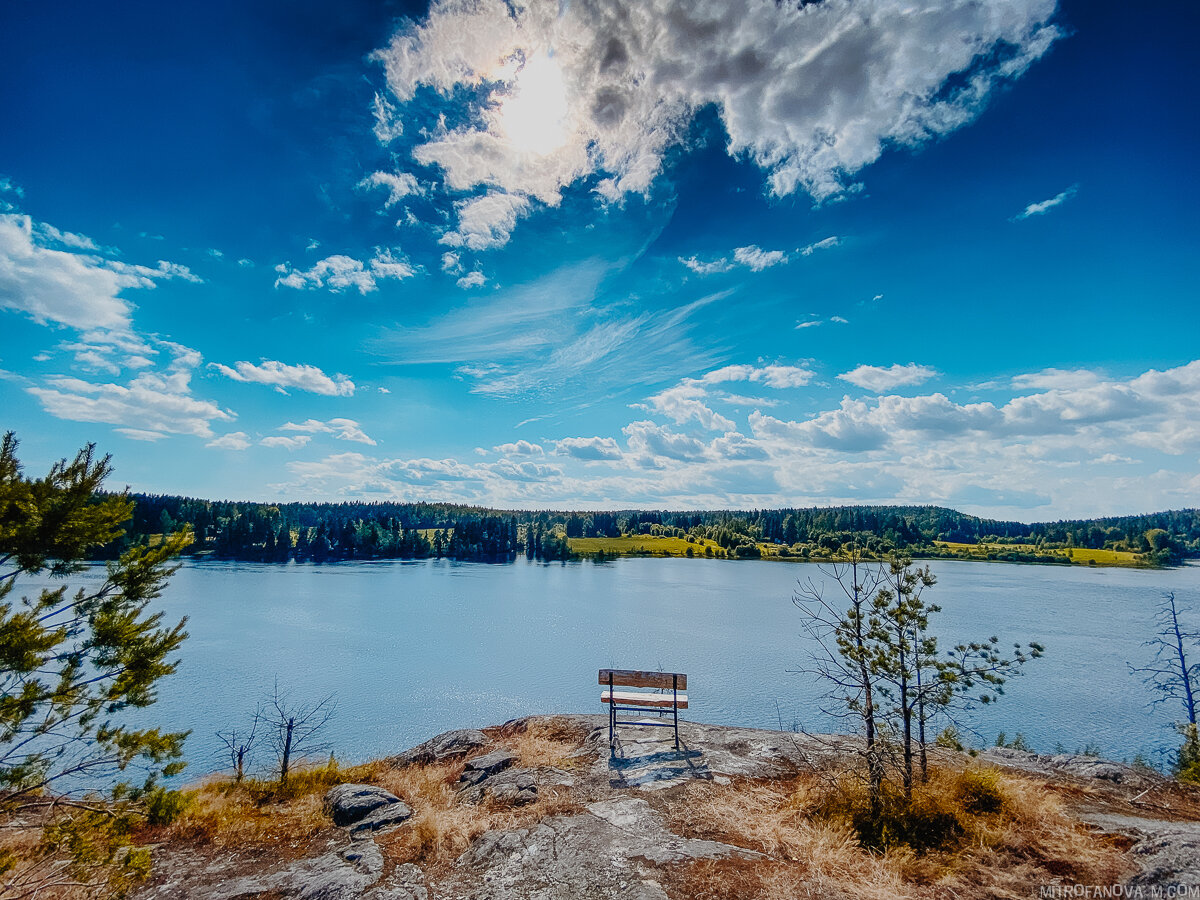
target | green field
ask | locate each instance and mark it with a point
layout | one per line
(1078, 555)
(638, 545)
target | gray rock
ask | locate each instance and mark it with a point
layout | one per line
(348, 803)
(482, 767)
(601, 854)
(407, 882)
(1170, 861)
(513, 787)
(448, 745)
(384, 817)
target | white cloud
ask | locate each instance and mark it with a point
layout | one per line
(287, 443)
(706, 268)
(398, 184)
(1043, 207)
(235, 440)
(757, 259)
(823, 244)
(81, 290)
(301, 377)
(152, 403)
(598, 92)
(520, 448)
(338, 272)
(486, 222)
(472, 279)
(886, 378)
(342, 429)
(593, 448)
(1057, 378)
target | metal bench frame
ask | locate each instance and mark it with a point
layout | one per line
(614, 707)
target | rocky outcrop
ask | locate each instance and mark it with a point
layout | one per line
(350, 803)
(448, 745)
(1074, 764)
(609, 852)
(476, 770)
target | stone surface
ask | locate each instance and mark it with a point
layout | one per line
(608, 852)
(482, 767)
(512, 787)
(447, 745)
(349, 803)
(1078, 765)
(384, 817)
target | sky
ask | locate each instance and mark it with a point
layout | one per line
(608, 253)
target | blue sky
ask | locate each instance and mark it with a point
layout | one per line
(619, 253)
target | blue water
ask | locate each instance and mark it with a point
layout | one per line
(412, 649)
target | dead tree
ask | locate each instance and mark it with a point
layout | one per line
(237, 746)
(294, 727)
(1170, 674)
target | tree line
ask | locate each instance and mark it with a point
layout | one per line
(319, 532)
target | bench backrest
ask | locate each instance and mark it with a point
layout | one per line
(634, 678)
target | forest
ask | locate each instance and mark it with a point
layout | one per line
(318, 532)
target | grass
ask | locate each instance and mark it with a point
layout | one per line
(980, 833)
(639, 545)
(1077, 555)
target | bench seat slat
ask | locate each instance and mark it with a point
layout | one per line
(633, 698)
(635, 678)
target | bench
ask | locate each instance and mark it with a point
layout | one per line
(640, 701)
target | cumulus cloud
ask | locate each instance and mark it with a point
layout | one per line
(52, 277)
(520, 448)
(596, 92)
(342, 429)
(1043, 207)
(593, 448)
(756, 259)
(302, 377)
(399, 185)
(287, 443)
(339, 272)
(235, 440)
(152, 404)
(700, 267)
(886, 378)
(472, 279)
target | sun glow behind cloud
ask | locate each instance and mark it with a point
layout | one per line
(533, 116)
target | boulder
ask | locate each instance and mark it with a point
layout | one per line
(514, 787)
(349, 803)
(385, 816)
(448, 745)
(482, 767)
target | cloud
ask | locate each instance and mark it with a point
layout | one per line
(520, 448)
(472, 279)
(235, 440)
(80, 290)
(706, 268)
(341, 429)
(756, 259)
(596, 93)
(647, 439)
(281, 375)
(338, 272)
(824, 244)
(1040, 209)
(1056, 378)
(152, 404)
(485, 222)
(880, 378)
(593, 448)
(287, 443)
(399, 185)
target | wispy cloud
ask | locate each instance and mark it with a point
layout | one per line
(342, 429)
(338, 272)
(886, 378)
(1044, 206)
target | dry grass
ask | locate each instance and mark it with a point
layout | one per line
(1008, 833)
(545, 742)
(259, 813)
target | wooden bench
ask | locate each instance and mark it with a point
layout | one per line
(639, 701)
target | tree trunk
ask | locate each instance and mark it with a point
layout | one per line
(287, 752)
(1185, 675)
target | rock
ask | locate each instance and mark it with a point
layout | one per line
(407, 882)
(1171, 863)
(448, 745)
(366, 857)
(514, 787)
(384, 817)
(348, 803)
(482, 767)
(607, 853)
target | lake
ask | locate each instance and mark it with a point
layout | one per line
(414, 648)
